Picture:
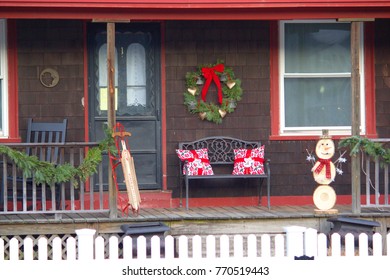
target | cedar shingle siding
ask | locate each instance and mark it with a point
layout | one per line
(244, 46)
(56, 44)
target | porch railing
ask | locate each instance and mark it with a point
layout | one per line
(376, 180)
(19, 194)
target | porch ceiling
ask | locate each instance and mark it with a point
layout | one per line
(193, 10)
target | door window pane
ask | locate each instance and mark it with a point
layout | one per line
(103, 78)
(136, 75)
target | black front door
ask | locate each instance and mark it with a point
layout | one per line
(138, 92)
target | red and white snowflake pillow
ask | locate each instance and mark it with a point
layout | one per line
(248, 161)
(197, 162)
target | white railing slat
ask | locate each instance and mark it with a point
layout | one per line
(71, 248)
(42, 249)
(1, 249)
(155, 247)
(311, 242)
(265, 246)
(377, 245)
(279, 245)
(196, 247)
(113, 247)
(127, 247)
(322, 245)
(169, 247)
(363, 245)
(57, 249)
(141, 247)
(388, 244)
(99, 248)
(238, 246)
(28, 252)
(336, 244)
(210, 247)
(349, 245)
(252, 246)
(14, 249)
(224, 246)
(183, 247)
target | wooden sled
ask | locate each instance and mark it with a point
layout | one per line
(124, 158)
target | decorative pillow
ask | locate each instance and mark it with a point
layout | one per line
(197, 162)
(248, 161)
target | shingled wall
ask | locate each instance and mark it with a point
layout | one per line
(55, 44)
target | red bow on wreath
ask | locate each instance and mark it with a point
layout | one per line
(324, 163)
(209, 74)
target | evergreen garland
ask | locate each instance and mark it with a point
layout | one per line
(373, 149)
(48, 173)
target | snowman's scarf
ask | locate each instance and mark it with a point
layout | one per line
(324, 163)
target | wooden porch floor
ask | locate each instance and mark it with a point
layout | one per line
(204, 220)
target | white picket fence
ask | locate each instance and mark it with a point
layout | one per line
(296, 242)
(191, 257)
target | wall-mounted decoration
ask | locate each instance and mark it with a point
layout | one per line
(197, 85)
(49, 77)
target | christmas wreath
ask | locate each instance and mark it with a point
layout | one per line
(198, 83)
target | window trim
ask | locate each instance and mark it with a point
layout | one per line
(368, 108)
(12, 78)
(4, 133)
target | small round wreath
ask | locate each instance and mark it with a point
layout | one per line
(198, 83)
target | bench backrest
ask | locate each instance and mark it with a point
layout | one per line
(220, 148)
(46, 133)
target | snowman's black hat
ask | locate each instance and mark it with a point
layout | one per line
(325, 134)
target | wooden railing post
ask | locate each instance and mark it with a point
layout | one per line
(294, 241)
(111, 109)
(355, 98)
(85, 243)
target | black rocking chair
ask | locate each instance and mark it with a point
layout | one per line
(22, 189)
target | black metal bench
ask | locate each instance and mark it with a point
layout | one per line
(221, 153)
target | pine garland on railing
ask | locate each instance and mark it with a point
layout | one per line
(373, 149)
(48, 173)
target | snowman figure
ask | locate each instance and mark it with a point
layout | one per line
(324, 172)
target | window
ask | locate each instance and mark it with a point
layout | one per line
(315, 78)
(3, 81)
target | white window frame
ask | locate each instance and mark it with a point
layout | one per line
(4, 133)
(314, 131)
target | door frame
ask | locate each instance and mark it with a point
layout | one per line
(161, 88)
